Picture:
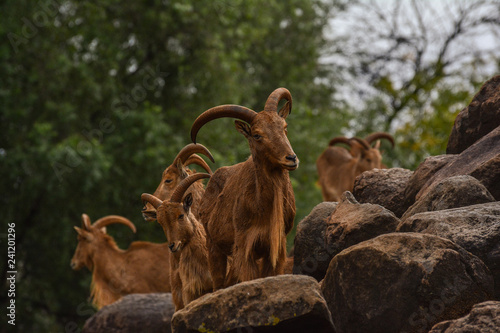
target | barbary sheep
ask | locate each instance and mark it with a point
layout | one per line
(249, 208)
(142, 268)
(338, 167)
(190, 276)
(176, 172)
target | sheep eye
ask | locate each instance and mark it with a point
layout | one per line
(168, 181)
(181, 217)
(257, 137)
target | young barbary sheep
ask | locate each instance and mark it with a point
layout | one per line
(338, 167)
(176, 172)
(249, 208)
(190, 276)
(142, 268)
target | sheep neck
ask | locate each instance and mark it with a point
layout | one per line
(270, 197)
(269, 181)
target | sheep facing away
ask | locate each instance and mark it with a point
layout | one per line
(338, 167)
(249, 208)
(142, 268)
(176, 172)
(189, 273)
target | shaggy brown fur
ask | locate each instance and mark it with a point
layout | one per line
(338, 167)
(248, 208)
(190, 276)
(142, 268)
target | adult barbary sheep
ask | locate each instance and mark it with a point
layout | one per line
(189, 274)
(338, 167)
(142, 268)
(248, 208)
(176, 172)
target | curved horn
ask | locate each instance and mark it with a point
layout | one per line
(111, 219)
(191, 149)
(151, 199)
(86, 222)
(340, 139)
(196, 159)
(362, 142)
(184, 185)
(228, 110)
(275, 97)
(380, 135)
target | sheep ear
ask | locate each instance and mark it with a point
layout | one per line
(85, 234)
(243, 128)
(285, 110)
(188, 202)
(103, 229)
(182, 169)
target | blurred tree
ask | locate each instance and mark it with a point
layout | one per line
(411, 65)
(98, 97)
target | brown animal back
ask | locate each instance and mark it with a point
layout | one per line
(335, 155)
(151, 264)
(213, 189)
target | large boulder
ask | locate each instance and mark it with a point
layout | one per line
(310, 253)
(453, 192)
(403, 282)
(478, 119)
(384, 187)
(483, 318)
(422, 174)
(134, 313)
(481, 160)
(475, 228)
(285, 303)
(352, 223)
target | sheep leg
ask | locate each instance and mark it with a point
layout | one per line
(217, 264)
(330, 194)
(243, 268)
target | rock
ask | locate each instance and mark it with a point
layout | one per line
(384, 187)
(478, 119)
(481, 160)
(403, 282)
(352, 223)
(489, 175)
(284, 303)
(422, 174)
(453, 192)
(483, 318)
(134, 313)
(475, 228)
(310, 256)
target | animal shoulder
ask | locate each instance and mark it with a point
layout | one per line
(336, 154)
